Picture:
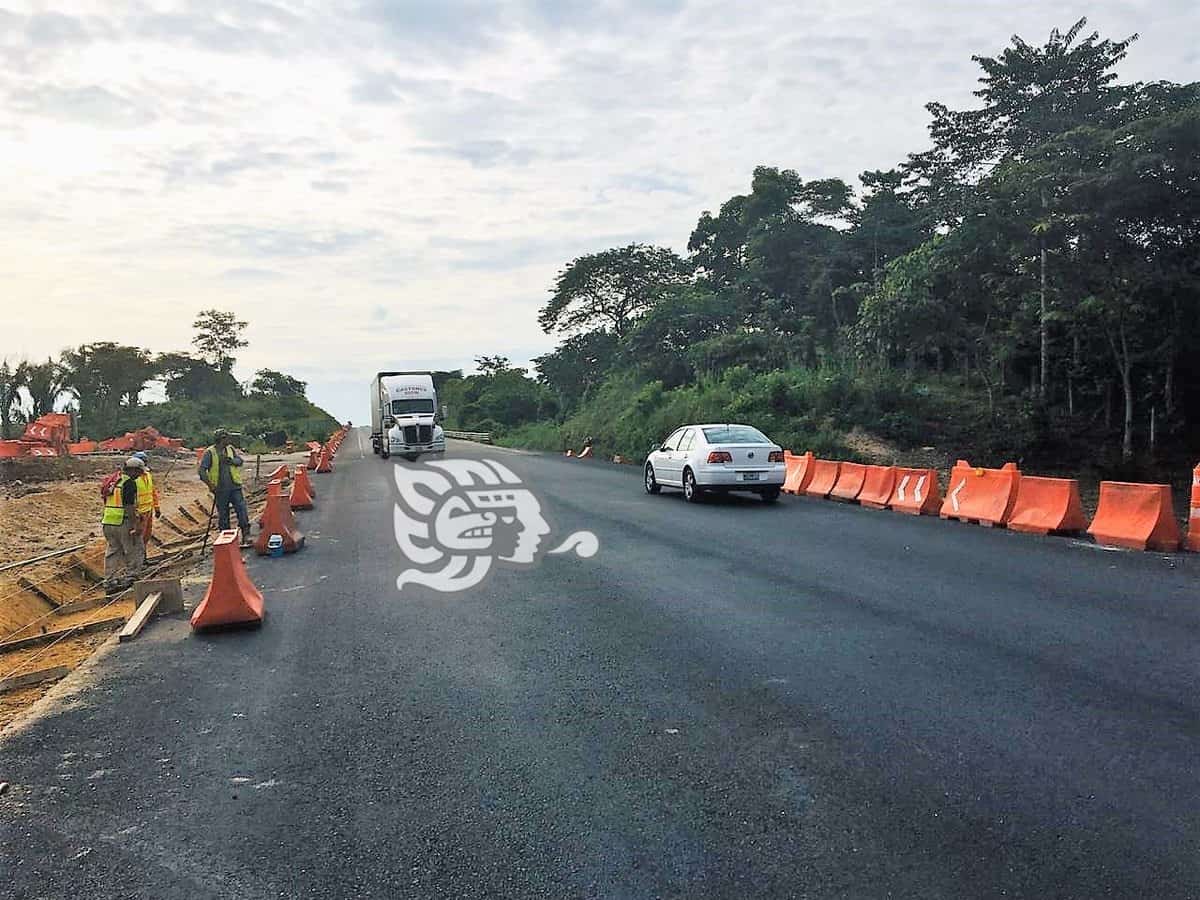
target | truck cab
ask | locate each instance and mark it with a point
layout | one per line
(404, 411)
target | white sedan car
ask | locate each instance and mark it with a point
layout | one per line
(699, 458)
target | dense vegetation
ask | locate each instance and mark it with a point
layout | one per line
(1026, 287)
(102, 384)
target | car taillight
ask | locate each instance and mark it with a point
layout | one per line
(775, 456)
(720, 456)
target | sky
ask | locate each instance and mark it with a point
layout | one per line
(394, 185)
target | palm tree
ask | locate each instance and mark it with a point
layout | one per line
(44, 383)
(12, 379)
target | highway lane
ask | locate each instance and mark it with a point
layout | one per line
(731, 699)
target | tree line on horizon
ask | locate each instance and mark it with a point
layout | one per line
(101, 383)
(1041, 255)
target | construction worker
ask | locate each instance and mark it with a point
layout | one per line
(221, 472)
(124, 552)
(148, 499)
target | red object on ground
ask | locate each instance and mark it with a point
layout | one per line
(281, 471)
(917, 492)
(985, 496)
(325, 462)
(1193, 535)
(1044, 505)
(302, 493)
(849, 483)
(878, 485)
(1135, 516)
(824, 477)
(231, 598)
(799, 472)
(278, 519)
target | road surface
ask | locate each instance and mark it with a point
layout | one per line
(728, 700)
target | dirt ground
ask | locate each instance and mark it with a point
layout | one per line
(48, 505)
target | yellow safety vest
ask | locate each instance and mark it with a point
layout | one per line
(146, 499)
(114, 512)
(214, 470)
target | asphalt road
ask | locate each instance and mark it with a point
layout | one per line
(728, 700)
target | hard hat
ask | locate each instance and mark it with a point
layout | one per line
(134, 463)
(141, 454)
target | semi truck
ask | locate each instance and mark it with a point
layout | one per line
(403, 415)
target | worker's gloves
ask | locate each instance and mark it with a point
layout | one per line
(158, 514)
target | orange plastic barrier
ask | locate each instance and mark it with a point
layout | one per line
(1193, 535)
(877, 487)
(80, 447)
(41, 450)
(278, 519)
(799, 472)
(325, 461)
(985, 496)
(1044, 505)
(824, 477)
(12, 449)
(917, 492)
(281, 472)
(302, 496)
(849, 482)
(231, 598)
(1135, 516)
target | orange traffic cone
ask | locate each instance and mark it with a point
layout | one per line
(281, 472)
(278, 519)
(1193, 537)
(325, 463)
(314, 454)
(231, 598)
(302, 497)
(274, 489)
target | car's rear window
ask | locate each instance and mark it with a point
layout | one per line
(735, 434)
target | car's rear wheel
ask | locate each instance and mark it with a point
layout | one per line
(650, 482)
(691, 490)
(770, 495)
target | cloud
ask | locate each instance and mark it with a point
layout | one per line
(251, 274)
(249, 240)
(86, 105)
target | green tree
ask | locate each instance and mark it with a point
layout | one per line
(218, 335)
(12, 379)
(105, 377)
(275, 384)
(611, 289)
(185, 377)
(45, 383)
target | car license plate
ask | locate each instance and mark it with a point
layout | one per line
(750, 476)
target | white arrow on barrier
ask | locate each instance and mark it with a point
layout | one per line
(954, 493)
(920, 487)
(903, 485)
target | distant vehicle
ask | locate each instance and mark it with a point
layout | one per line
(403, 415)
(717, 458)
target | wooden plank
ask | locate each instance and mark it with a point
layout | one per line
(90, 572)
(33, 588)
(79, 605)
(140, 617)
(41, 676)
(32, 641)
(175, 528)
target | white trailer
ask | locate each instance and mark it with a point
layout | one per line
(403, 415)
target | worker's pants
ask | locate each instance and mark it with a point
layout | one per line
(124, 552)
(237, 500)
(146, 523)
